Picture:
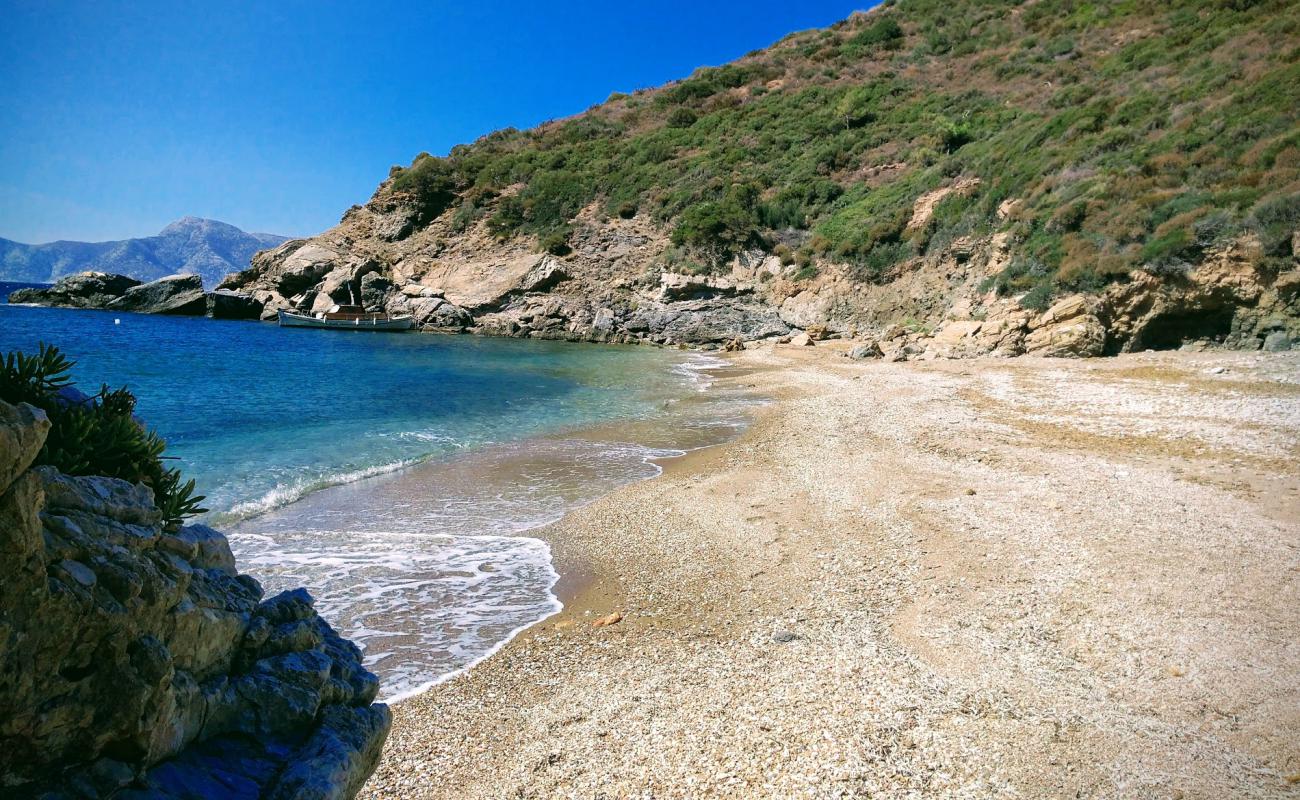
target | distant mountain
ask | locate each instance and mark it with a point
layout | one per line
(205, 247)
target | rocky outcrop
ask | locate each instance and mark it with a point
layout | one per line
(174, 294)
(225, 304)
(137, 662)
(1230, 300)
(82, 290)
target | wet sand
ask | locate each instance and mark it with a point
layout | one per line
(1028, 578)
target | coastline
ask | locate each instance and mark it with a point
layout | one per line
(881, 587)
(432, 564)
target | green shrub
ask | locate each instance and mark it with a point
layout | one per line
(1121, 141)
(555, 242)
(1038, 298)
(722, 228)
(431, 180)
(1276, 221)
(682, 118)
(882, 33)
(96, 437)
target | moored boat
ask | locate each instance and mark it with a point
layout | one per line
(346, 318)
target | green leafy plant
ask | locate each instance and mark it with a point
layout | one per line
(96, 435)
(29, 379)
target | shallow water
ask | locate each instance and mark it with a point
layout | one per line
(395, 476)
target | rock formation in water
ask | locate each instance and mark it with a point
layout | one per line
(174, 294)
(941, 178)
(138, 663)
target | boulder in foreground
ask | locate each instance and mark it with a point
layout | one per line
(136, 662)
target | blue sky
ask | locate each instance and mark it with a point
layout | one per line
(116, 118)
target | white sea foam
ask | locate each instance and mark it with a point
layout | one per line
(698, 368)
(427, 569)
(427, 565)
(422, 607)
(284, 494)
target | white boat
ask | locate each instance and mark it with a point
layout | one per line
(346, 318)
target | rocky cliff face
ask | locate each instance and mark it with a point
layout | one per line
(615, 287)
(139, 663)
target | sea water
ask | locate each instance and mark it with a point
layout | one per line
(397, 476)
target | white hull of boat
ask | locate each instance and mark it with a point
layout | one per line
(289, 319)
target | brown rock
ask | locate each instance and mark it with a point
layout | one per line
(23, 429)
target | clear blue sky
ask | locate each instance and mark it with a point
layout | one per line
(116, 118)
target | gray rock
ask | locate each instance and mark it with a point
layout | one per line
(174, 294)
(345, 746)
(82, 290)
(211, 548)
(134, 657)
(111, 498)
(679, 286)
(435, 313)
(865, 350)
(781, 636)
(225, 304)
(707, 321)
(78, 572)
(295, 265)
(1277, 342)
(544, 276)
(375, 290)
(396, 225)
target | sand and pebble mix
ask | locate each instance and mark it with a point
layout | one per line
(1016, 578)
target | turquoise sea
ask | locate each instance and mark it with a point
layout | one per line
(397, 476)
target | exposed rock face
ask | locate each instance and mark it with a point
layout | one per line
(82, 290)
(1227, 301)
(174, 294)
(139, 663)
(225, 304)
(617, 286)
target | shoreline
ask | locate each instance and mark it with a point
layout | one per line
(858, 558)
(459, 619)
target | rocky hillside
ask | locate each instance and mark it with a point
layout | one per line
(940, 177)
(135, 660)
(202, 247)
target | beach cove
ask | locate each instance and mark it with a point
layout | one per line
(397, 478)
(955, 578)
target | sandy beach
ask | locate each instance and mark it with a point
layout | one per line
(991, 578)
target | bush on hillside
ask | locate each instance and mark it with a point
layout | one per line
(431, 180)
(883, 33)
(720, 229)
